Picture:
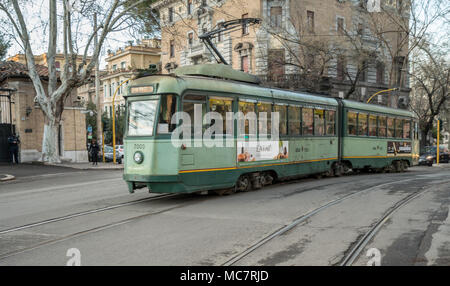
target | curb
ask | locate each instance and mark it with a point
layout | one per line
(84, 167)
(7, 177)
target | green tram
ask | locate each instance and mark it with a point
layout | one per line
(317, 135)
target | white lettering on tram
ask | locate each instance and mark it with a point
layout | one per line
(208, 130)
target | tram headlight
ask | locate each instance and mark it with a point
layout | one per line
(138, 157)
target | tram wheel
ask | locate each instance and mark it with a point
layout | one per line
(244, 184)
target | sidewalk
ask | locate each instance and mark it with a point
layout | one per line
(89, 166)
(10, 172)
(444, 166)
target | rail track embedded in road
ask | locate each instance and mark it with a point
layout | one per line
(70, 216)
(306, 216)
(359, 246)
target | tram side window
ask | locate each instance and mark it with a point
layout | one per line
(222, 106)
(382, 126)
(245, 108)
(307, 121)
(399, 128)
(189, 103)
(319, 122)
(390, 123)
(372, 125)
(265, 128)
(351, 123)
(167, 109)
(407, 130)
(282, 110)
(362, 124)
(294, 120)
(330, 118)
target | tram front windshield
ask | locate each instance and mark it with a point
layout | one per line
(141, 117)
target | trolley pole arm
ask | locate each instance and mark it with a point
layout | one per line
(224, 27)
(387, 90)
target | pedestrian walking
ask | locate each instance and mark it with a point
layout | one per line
(93, 150)
(14, 142)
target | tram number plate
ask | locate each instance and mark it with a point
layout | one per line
(139, 146)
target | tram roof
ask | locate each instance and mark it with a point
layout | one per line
(179, 84)
(377, 108)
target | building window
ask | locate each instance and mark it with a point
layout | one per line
(114, 67)
(275, 64)
(105, 90)
(340, 68)
(219, 35)
(310, 21)
(189, 7)
(172, 48)
(363, 71)
(380, 72)
(190, 39)
(399, 61)
(171, 15)
(340, 26)
(276, 16)
(244, 64)
(244, 26)
(360, 29)
(123, 65)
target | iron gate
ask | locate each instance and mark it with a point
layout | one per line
(6, 126)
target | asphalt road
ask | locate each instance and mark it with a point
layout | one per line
(214, 230)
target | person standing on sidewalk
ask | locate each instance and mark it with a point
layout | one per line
(14, 142)
(93, 150)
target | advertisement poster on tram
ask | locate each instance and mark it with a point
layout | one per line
(399, 147)
(254, 151)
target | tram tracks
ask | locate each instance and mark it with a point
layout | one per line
(359, 246)
(83, 213)
(353, 254)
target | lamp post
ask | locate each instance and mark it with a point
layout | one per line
(114, 118)
(386, 90)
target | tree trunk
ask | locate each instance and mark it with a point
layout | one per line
(50, 142)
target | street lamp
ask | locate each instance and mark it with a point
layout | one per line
(114, 118)
(382, 91)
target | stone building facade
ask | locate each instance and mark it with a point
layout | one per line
(122, 65)
(261, 49)
(28, 118)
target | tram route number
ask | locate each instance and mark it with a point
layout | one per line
(139, 146)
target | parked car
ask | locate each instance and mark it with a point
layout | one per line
(109, 155)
